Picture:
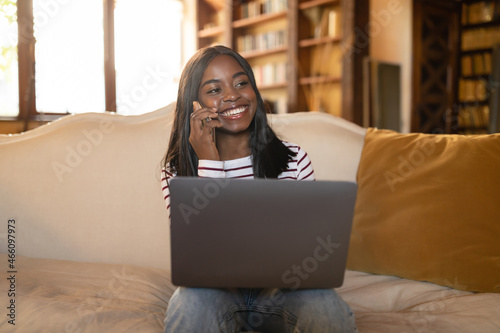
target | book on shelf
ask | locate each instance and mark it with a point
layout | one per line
(467, 65)
(333, 24)
(480, 38)
(259, 7)
(473, 116)
(480, 12)
(324, 22)
(270, 74)
(476, 64)
(330, 24)
(472, 90)
(250, 9)
(488, 62)
(261, 42)
(274, 6)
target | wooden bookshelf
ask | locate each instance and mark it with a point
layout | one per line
(318, 41)
(316, 75)
(488, 24)
(246, 22)
(315, 3)
(319, 80)
(480, 32)
(213, 23)
(254, 54)
(212, 32)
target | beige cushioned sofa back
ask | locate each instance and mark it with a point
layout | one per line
(87, 187)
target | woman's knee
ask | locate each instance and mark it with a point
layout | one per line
(321, 310)
(217, 309)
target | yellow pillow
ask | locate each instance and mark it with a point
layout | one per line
(428, 209)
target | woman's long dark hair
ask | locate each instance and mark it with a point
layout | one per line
(270, 155)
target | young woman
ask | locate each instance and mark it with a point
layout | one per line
(220, 130)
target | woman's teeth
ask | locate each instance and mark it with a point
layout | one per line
(234, 111)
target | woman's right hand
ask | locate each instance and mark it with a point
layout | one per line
(203, 122)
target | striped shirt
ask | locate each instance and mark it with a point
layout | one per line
(299, 168)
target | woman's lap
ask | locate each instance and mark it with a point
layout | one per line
(268, 310)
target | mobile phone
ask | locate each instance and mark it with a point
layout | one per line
(212, 130)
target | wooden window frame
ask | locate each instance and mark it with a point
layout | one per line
(26, 65)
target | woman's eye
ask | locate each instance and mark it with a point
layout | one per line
(213, 91)
(242, 84)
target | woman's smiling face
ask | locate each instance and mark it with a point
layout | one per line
(225, 86)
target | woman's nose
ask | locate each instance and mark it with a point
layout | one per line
(230, 95)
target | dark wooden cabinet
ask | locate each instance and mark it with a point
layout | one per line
(436, 33)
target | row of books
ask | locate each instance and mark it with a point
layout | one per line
(270, 74)
(261, 42)
(479, 12)
(480, 38)
(476, 64)
(258, 7)
(474, 116)
(472, 90)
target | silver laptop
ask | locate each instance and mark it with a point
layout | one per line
(260, 233)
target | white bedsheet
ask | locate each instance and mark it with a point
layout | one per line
(389, 304)
(65, 296)
(70, 297)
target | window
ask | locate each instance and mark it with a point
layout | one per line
(148, 54)
(9, 86)
(89, 56)
(69, 56)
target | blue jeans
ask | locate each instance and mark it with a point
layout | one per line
(262, 310)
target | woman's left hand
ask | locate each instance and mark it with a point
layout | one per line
(203, 123)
